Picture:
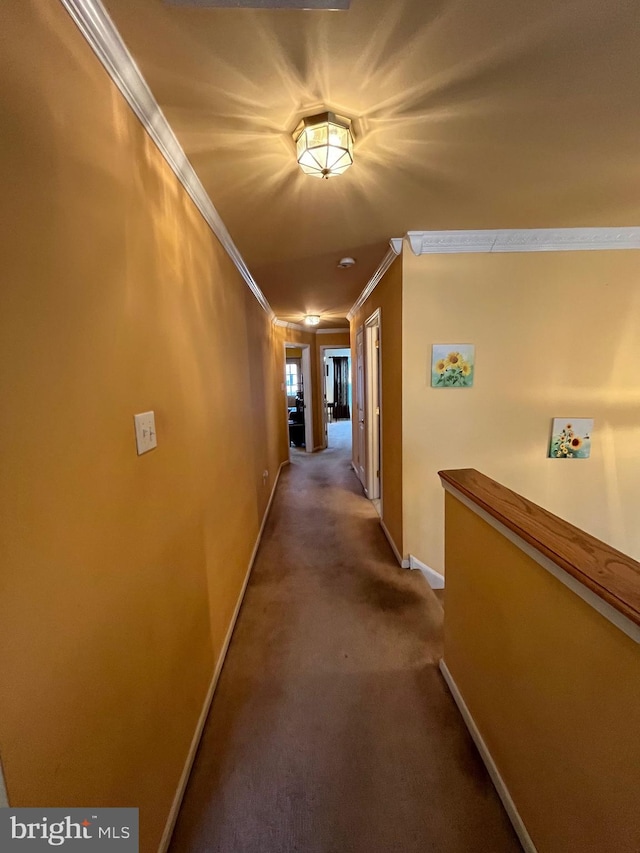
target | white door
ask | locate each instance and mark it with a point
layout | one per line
(362, 452)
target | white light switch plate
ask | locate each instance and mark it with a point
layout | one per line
(145, 432)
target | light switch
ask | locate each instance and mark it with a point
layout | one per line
(145, 432)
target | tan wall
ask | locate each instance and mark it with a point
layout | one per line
(338, 339)
(388, 297)
(556, 335)
(553, 687)
(120, 574)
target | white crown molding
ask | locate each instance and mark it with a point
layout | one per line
(99, 30)
(297, 326)
(395, 247)
(310, 330)
(524, 240)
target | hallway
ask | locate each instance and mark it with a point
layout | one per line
(331, 729)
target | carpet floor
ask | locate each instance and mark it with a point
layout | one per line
(331, 729)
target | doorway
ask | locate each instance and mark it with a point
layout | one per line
(335, 364)
(368, 458)
(298, 396)
(373, 405)
(361, 465)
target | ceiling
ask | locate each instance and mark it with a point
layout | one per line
(492, 114)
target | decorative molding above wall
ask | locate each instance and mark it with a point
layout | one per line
(523, 240)
(395, 249)
(99, 30)
(297, 326)
(310, 330)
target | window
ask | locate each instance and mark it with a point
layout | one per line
(292, 378)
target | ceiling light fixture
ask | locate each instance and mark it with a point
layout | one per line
(345, 263)
(324, 145)
(311, 320)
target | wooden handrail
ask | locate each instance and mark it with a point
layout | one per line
(608, 573)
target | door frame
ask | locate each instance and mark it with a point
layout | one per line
(361, 426)
(373, 404)
(307, 384)
(323, 384)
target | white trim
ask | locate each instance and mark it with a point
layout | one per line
(286, 325)
(308, 386)
(434, 579)
(403, 563)
(299, 327)
(523, 240)
(392, 253)
(4, 799)
(360, 385)
(494, 773)
(373, 401)
(99, 30)
(603, 607)
(184, 778)
(322, 378)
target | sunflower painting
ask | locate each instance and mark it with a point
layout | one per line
(452, 365)
(571, 438)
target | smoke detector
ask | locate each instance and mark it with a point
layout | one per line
(345, 263)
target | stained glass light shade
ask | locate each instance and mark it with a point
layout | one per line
(324, 145)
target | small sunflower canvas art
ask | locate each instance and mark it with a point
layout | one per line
(452, 365)
(571, 438)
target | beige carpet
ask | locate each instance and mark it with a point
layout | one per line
(331, 730)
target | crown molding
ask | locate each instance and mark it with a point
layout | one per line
(395, 248)
(284, 324)
(310, 330)
(96, 26)
(524, 240)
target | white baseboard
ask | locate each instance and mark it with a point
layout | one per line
(434, 579)
(184, 778)
(494, 773)
(403, 563)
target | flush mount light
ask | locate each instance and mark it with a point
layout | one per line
(311, 320)
(345, 263)
(324, 145)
